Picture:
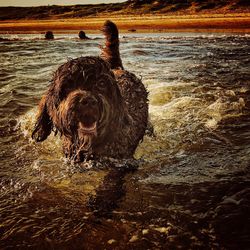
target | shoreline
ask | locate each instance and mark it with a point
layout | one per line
(185, 23)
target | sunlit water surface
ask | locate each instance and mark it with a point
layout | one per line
(191, 189)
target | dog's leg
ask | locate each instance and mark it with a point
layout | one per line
(43, 124)
(110, 53)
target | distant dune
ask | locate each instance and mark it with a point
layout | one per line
(131, 7)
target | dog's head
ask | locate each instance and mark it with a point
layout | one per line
(84, 103)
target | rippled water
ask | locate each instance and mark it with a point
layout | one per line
(191, 189)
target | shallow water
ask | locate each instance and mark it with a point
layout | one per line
(191, 189)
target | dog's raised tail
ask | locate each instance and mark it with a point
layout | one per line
(110, 52)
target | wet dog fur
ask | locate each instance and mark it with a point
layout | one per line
(100, 109)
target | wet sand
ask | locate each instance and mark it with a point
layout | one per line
(148, 23)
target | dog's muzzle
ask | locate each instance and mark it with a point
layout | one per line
(88, 116)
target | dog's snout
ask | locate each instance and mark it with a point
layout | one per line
(88, 101)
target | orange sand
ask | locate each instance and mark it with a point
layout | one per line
(237, 22)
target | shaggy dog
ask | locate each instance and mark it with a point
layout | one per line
(100, 109)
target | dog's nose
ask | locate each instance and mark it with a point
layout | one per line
(88, 101)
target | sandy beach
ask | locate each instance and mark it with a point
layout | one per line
(145, 23)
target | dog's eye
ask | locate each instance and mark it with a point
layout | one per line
(101, 84)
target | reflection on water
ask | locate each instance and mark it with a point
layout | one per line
(189, 186)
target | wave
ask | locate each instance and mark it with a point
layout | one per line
(38, 37)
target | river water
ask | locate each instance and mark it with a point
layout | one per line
(191, 189)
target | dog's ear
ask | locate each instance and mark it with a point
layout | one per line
(43, 124)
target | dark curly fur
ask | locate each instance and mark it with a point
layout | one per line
(99, 108)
